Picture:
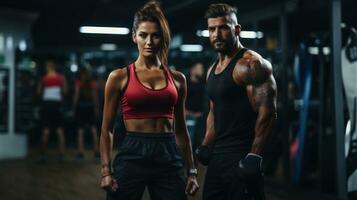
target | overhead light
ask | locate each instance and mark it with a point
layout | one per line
(104, 30)
(22, 45)
(251, 34)
(248, 34)
(243, 34)
(315, 50)
(9, 42)
(191, 47)
(326, 50)
(260, 34)
(202, 33)
(74, 67)
(108, 47)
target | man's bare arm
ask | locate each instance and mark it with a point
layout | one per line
(264, 96)
(261, 90)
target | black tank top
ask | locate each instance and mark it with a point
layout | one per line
(234, 118)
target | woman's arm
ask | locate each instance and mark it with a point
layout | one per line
(182, 136)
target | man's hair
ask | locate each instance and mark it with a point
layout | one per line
(220, 10)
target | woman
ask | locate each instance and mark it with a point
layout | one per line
(152, 100)
(86, 109)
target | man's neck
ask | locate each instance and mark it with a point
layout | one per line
(227, 56)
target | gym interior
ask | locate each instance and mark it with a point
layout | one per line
(311, 44)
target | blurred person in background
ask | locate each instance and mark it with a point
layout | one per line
(152, 100)
(86, 110)
(195, 99)
(52, 89)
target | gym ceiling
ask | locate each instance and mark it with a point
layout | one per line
(58, 21)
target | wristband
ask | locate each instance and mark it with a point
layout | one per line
(192, 172)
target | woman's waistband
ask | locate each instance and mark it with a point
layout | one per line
(164, 136)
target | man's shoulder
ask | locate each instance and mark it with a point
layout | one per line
(249, 56)
(252, 68)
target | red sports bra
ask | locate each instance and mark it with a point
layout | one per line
(140, 102)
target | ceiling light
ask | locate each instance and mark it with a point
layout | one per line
(22, 45)
(104, 30)
(191, 47)
(248, 34)
(243, 34)
(108, 47)
(202, 33)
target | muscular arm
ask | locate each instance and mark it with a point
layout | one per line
(182, 136)
(264, 96)
(111, 100)
(261, 90)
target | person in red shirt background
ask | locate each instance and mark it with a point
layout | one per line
(52, 89)
(86, 110)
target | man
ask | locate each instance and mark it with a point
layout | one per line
(242, 94)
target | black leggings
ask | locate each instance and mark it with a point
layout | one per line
(149, 160)
(224, 182)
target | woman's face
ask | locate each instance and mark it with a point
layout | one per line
(148, 38)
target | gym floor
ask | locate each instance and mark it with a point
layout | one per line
(72, 180)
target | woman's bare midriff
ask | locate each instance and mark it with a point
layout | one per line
(159, 125)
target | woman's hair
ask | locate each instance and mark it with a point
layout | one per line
(152, 12)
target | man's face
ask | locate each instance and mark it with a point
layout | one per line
(222, 33)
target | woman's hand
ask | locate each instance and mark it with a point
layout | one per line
(192, 185)
(109, 184)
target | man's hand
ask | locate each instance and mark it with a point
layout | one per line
(251, 167)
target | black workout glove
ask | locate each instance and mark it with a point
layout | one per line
(251, 167)
(203, 154)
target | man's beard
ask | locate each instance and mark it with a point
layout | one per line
(227, 45)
